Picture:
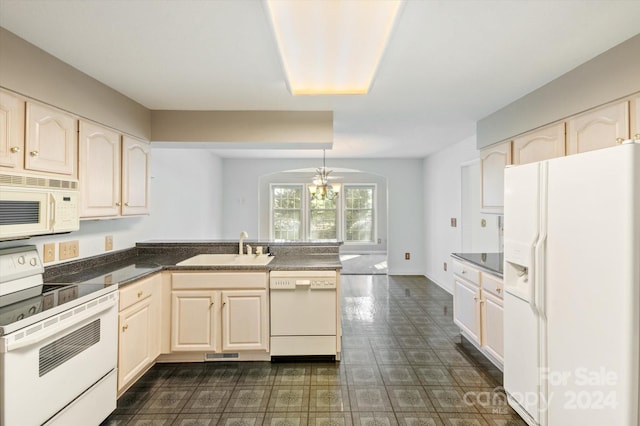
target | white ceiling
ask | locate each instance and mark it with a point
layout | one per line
(448, 63)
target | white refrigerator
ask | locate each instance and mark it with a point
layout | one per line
(572, 288)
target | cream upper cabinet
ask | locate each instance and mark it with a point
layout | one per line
(135, 176)
(11, 131)
(635, 118)
(51, 141)
(114, 173)
(541, 144)
(493, 160)
(99, 169)
(599, 128)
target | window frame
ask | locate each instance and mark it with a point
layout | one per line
(302, 209)
(341, 220)
(374, 213)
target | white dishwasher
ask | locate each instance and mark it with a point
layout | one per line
(304, 313)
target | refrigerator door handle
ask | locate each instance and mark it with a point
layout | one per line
(532, 275)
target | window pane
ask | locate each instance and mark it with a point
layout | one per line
(359, 214)
(286, 224)
(359, 225)
(322, 225)
(287, 197)
(359, 198)
(287, 212)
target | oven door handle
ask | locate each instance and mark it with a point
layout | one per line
(61, 326)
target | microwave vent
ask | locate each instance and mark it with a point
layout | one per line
(36, 182)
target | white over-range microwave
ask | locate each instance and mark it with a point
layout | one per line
(37, 205)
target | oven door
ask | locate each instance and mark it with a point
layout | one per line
(46, 366)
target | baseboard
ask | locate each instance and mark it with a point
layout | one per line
(448, 288)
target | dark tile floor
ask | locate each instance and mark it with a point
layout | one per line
(403, 365)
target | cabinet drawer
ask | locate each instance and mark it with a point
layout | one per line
(492, 284)
(218, 280)
(133, 293)
(465, 271)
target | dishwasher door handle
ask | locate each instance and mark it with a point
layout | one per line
(303, 283)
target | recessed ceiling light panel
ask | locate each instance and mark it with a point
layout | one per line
(331, 47)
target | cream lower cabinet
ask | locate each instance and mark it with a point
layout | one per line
(219, 312)
(138, 330)
(194, 320)
(478, 309)
(492, 326)
(466, 309)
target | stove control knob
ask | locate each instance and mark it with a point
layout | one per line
(21, 260)
(33, 261)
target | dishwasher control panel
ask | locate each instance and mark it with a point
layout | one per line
(292, 282)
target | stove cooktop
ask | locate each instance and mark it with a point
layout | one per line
(53, 295)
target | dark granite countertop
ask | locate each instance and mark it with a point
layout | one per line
(125, 266)
(489, 262)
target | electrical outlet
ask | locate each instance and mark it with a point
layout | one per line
(407, 256)
(49, 252)
(108, 242)
(454, 222)
(445, 266)
(69, 249)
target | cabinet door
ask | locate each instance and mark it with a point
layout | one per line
(11, 131)
(245, 320)
(194, 321)
(492, 326)
(51, 141)
(493, 160)
(99, 173)
(466, 310)
(541, 144)
(598, 129)
(135, 176)
(635, 118)
(134, 353)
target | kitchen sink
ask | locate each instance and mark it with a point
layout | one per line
(226, 259)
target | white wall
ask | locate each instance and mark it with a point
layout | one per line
(186, 193)
(241, 207)
(442, 201)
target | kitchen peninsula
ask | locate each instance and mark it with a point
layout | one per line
(193, 313)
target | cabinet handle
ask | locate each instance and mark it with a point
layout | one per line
(475, 298)
(636, 137)
(140, 294)
(126, 204)
(34, 153)
(15, 149)
(118, 204)
(464, 271)
(498, 290)
(124, 327)
(619, 140)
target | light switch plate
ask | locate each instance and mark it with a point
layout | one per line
(108, 242)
